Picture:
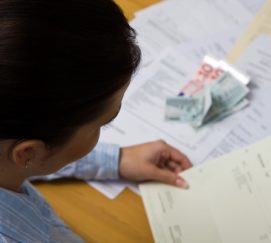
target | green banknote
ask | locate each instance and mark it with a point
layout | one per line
(206, 99)
(226, 92)
(189, 109)
(239, 106)
(184, 109)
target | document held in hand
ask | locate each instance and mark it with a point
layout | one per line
(229, 201)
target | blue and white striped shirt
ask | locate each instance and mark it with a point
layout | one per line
(26, 217)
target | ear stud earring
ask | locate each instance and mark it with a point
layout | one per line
(28, 163)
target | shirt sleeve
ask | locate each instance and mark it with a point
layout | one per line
(100, 164)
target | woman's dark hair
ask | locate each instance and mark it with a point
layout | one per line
(60, 62)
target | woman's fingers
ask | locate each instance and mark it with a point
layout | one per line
(174, 167)
(169, 177)
(180, 158)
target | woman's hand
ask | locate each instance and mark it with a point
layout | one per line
(153, 161)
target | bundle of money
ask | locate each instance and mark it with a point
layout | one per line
(217, 95)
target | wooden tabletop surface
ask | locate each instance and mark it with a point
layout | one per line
(90, 214)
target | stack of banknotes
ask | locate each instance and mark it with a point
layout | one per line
(216, 91)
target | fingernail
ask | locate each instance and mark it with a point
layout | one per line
(181, 183)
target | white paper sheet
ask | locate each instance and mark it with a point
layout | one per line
(112, 189)
(228, 201)
(176, 22)
(253, 6)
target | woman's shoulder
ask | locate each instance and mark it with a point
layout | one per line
(23, 216)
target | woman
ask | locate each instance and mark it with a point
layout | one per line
(64, 68)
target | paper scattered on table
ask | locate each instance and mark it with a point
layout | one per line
(253, 124)
(174, 36)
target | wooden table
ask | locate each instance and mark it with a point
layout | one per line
(90, 214)
(131, 6)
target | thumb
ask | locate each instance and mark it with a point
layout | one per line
(169, 177)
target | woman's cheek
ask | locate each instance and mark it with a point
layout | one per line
(92, 141)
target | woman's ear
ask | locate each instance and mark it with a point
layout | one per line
(28, 152)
